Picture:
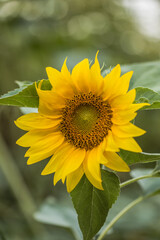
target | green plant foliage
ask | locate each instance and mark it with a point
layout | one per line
(92, 205)
(149, 96)
(25, 96)
(132, 157)
(157, 168)
(145, 75)
(58, 214)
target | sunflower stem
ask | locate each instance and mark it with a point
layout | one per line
(119, 215)
(135, 180)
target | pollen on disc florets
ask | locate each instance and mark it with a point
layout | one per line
(86, 120)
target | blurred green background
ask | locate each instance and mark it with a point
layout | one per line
(36, 34)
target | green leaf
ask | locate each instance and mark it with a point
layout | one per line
(148, 96)
(92, 205)
(132, 157)
(58, 213)
(145, 75)
(25, 96)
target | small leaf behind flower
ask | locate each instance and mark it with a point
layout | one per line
(24, 96)
(148, 96)
(92, 205)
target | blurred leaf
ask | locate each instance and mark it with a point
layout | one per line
(92, 205)
(157, 168)
(58, 214)
(149, 185)
(145, 75)
(26, 110)
(23, 83)
(25, 96)
(143, 157)
(149, 96)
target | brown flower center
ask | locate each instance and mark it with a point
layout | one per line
(86, 120)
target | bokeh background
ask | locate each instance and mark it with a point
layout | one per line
(36, 34)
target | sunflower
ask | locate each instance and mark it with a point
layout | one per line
(82, 122)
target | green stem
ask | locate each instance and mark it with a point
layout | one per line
(128, 207)
(135, 180)
(119, 215)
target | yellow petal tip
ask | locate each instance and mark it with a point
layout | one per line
(43, 173)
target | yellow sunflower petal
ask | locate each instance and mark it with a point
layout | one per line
(110, 81)
(39, 157)
(70, 165)
(123, 83)
(57, 160)
(95, 182)
(32, 137)
(57, 176)
(114, 162)
(96, 77)
(50, 142)
(123, 101)
(35, 121)
(135, 107)
(49, 100)
(121, 117)
(127, 144)
(110, 143)
(92, 163)
(65, 71)
(73, 162)
(127, 130)
(81, 76)
(74, 178)
(54, 76)
(60, 82)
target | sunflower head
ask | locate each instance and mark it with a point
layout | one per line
(82, 122)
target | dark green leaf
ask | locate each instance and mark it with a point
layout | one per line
(132, 157)
(92, 205)
(25, 96)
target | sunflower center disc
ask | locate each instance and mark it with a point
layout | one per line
(86, 120)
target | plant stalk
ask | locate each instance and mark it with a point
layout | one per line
(135, 180)
(119, 215)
